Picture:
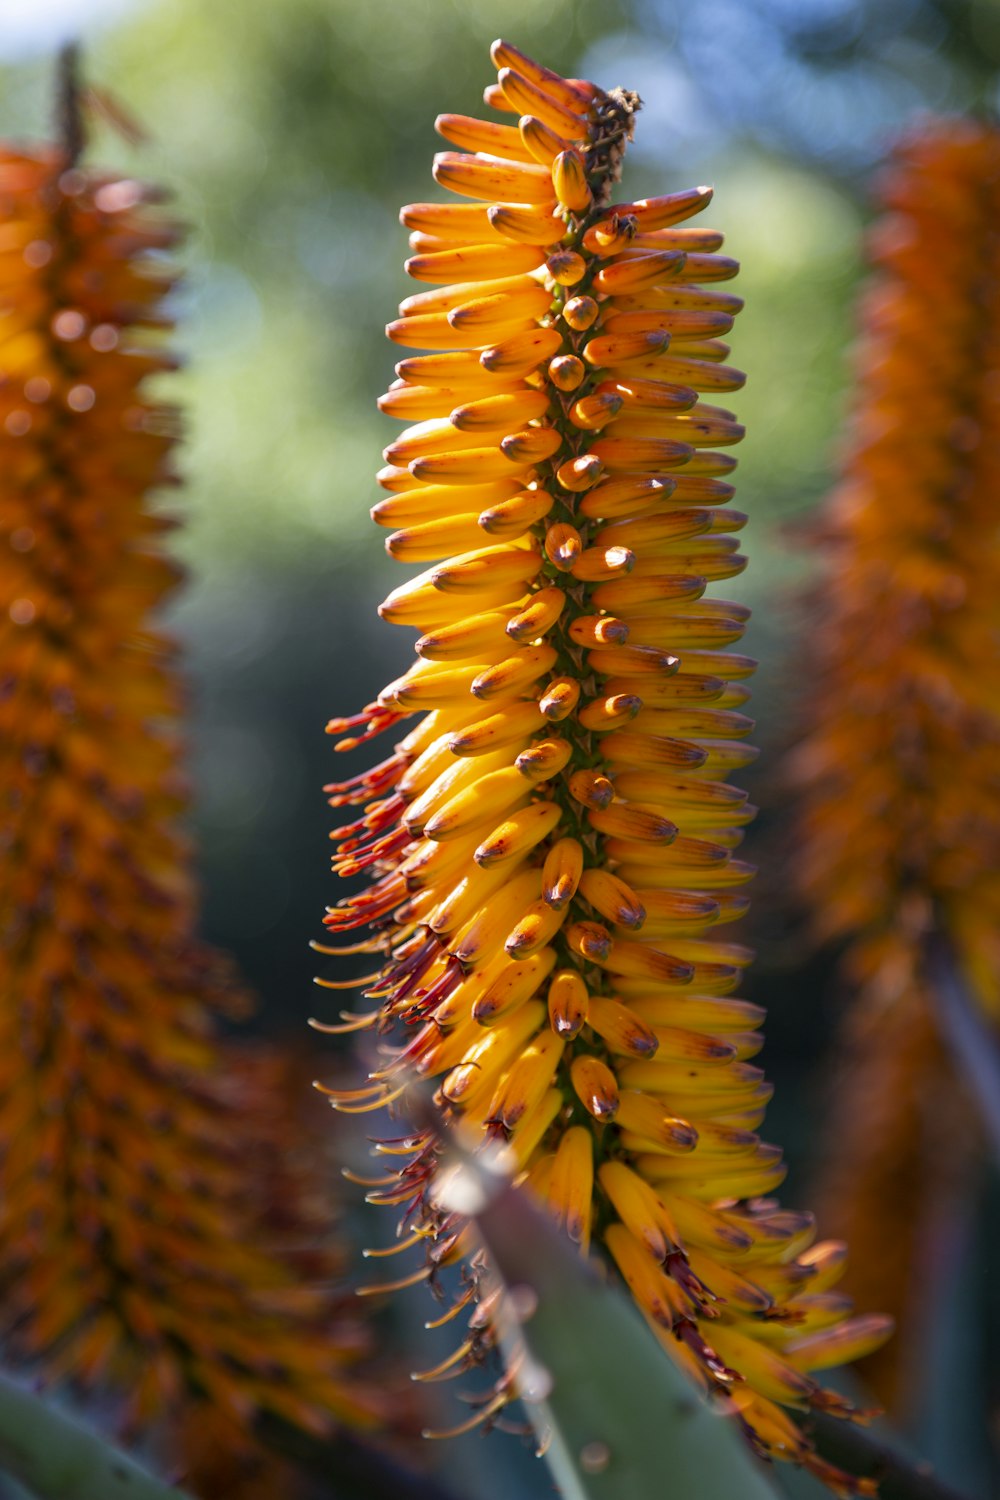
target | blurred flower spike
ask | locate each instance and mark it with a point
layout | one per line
(131, 1195)
(551, 848)
(900, 825)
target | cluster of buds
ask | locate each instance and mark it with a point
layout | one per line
(551, 851)
(900, 825)
(903, 824)
(130, 1209)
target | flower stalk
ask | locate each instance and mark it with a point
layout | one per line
(551, 849)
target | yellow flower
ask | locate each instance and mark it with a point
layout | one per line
(131, 1194)
(900, 827)
(552, 846)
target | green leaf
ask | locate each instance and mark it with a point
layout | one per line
(614, 1415)
(54, 1458)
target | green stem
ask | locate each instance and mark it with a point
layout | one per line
(55, 1458)
(614, 1417)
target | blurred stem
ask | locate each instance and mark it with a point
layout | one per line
(972, 1041)
(56, 1459)
(69, 114)
(947, 1413)
(358, 1470)
(857, 1451)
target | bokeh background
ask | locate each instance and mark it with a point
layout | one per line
(291, 130)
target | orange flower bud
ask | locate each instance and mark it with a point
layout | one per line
(566, 267)
(569, 179)
(580, 312)
(568, 1003)
(562, 545)
(566, 372)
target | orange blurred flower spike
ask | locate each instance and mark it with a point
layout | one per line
(135, 1176)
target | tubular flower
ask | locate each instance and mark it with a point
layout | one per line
(900, 824)
(551, 848)
(129, 1208)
